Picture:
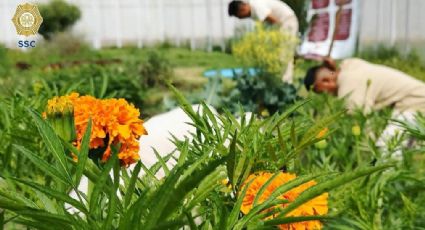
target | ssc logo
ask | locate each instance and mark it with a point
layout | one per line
(27, 19)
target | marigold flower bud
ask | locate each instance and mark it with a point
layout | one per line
(355, 130)
(60, 114)
(321, 144)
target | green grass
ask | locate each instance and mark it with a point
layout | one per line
(179, 57)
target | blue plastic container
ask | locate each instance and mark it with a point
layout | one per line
(229, 72)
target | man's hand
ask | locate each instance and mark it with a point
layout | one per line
(329, 62)
(271, 20)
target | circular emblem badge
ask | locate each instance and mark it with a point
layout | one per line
(27, 19)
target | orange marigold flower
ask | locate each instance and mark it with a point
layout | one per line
(114, 121)
(316, 206)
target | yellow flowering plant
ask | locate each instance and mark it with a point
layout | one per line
(266, 48)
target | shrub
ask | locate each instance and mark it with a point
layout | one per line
(266, 48)
(156, 70)
(259, 96)
(58, 16)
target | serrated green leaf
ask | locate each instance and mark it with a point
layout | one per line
(83, 153)
(132, 184)
(41, 164)
(53, 143)
(329, 185)
(53, 193)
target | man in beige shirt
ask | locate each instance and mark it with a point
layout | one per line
(369, 86)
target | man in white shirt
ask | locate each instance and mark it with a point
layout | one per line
(274, 12)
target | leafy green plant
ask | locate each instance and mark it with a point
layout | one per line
(259, 96)
(156, 71)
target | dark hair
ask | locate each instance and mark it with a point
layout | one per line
(310, 77)
(234, 7)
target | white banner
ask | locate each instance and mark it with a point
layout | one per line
(322, 38)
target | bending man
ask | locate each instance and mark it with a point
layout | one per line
(370, 87)
(273, 12)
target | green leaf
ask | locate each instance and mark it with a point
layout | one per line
(1, 219)
(41, 164)
(101, 183)
(53, 143)
(162, 162)
(41, 225)
(234, 214)
(329, 185)
(288, 220)
(312, 132)
(184, 150)
(206, 187)
(104, 86)
(12, 205)
(18, 197)
(191, 221)
(186, 107)
(272, 198)
(55, 194)
(231, 159)
(83, 153)
(289, 111)
(174, 224)
(130, 189)
(40, 215)
(170, 196)
(263, 188)
(113, 197)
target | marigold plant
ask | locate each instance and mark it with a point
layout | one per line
(114, 121)
(314, 207)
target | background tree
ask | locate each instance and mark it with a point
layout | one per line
(58, 16)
